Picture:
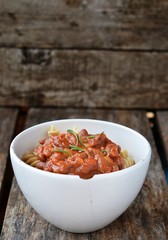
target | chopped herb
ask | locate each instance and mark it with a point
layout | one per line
(78, 139)
(81, 142)
(74, 133)
(75, 148)
(62, 151)
(91, 136)
(104, 150)
(94, 135)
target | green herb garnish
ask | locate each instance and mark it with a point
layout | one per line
(74, 133)
(81, 142)
(76, 148)
(62, 151)
(104, 151)
(94, 135)
(91, 136)
(78, 139)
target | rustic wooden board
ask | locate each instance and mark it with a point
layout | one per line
(84, 24)
(7, 124)
(162, 118)
(35, 77)
(145, 219)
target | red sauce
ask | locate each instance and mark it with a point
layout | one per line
(80, 154)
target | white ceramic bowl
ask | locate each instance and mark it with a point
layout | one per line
(69, 202)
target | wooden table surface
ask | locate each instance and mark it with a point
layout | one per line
(146, 218)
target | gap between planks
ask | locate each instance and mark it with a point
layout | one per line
(159, 141)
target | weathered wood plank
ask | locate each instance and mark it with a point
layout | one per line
(7, 124)
(84, 78)
(162, 118)
(145, 219)
(84, 24)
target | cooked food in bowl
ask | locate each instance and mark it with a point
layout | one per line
(69, 201)
(78, 153)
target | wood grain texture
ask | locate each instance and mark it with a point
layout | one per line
(36, 77)
(7, 124)
(162, 118)
(84, 24)
(145, 219)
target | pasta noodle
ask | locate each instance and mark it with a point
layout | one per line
(31, 159)
(52, 131)
(128, 160)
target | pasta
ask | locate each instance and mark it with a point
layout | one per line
(52, 131)
(78, 153)
(31, 159)
(128, 160)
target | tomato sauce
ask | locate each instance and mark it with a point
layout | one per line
(80, 154)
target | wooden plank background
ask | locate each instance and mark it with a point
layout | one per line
(148, 212)
(84, 78)
(84, 53)
(7, 127)
(123, 24)
(7, 124)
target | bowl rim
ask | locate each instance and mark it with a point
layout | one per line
(15, 158)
